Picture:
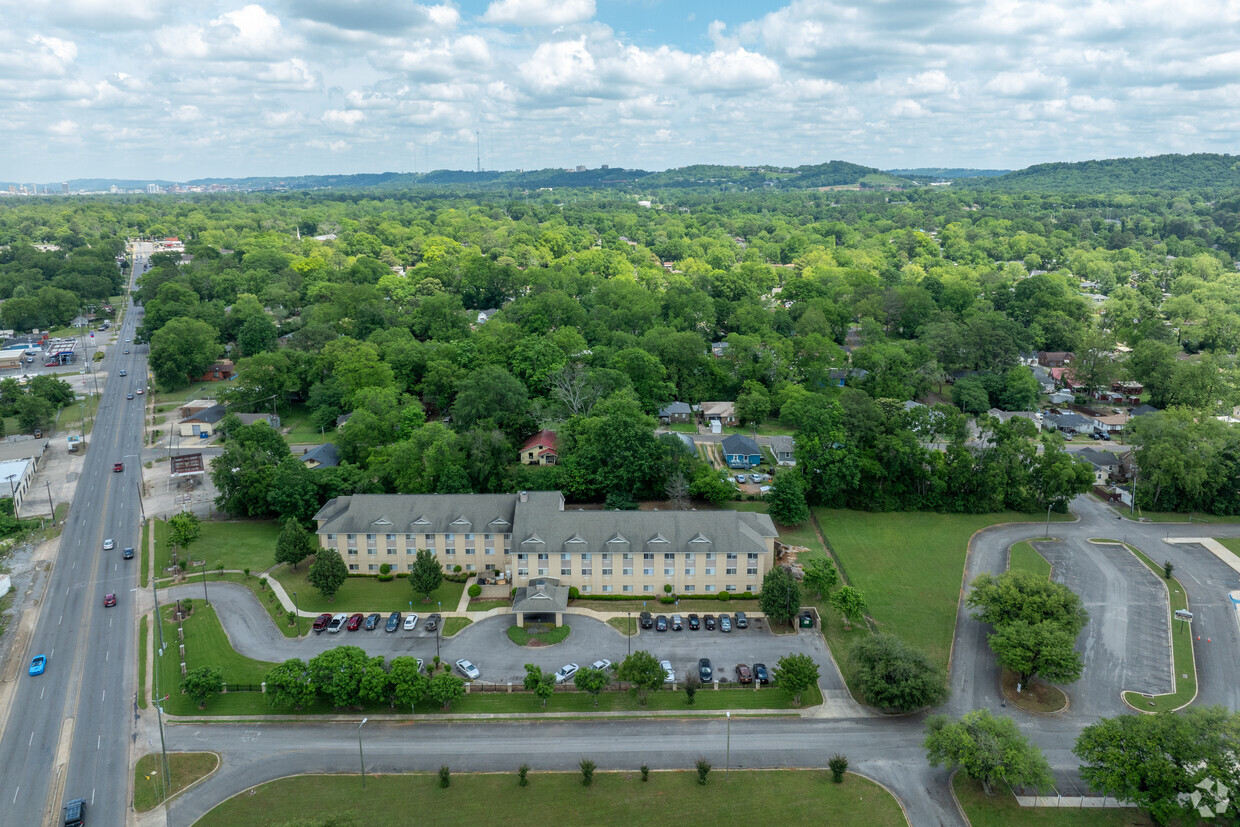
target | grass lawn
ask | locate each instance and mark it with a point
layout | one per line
(624, 625)
(69, 419)
(521, 637)
(285, 622)
(196, 390)
(681, 428)
(366, 594)
(488, 605)
(621, 700)
(1232, 544)
(1023, 556)
(144, 555)
(301, 429)
(615, 798)
(453, 625)
(144, 627)
(1181, 649)
(186, 768)
(1037, 696)
(1177, 517)
(207, 645)
(1001, 810)
(686, 605)
(235, 545)
(909, 566)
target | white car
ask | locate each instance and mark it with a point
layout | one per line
(108, 545)
(566, 672)
(670, 677)
(603, 664)
(468, 669)
(411, 622)
(337, 623)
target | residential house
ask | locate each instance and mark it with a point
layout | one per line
(484, 315)
(1142, 410)
(343, 418)
(1043, 378)
(222, 371)
(1069, 423)
(784, 448)
(204, 423)
(321, 456)
(718, 349)
(539, 449)
(1062, 397)
(530, 535)
(1004, 416)
(739, 451)
(1113, 423)
(197, 405)
(722, 412)
(1128, 388)
(1055, 358)
(1105, 464)
(676, 412)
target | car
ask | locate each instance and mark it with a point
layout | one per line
(660, 623)
(743, 675)
(760, 674)
(118, 467)
(741, 479)
(127, 554)
(646, 620)
(337, 623)
(139, 391)
(372, 622)
(52, 364)
(1104, 436)
(694, 623)
(75, 813)
(354, 623)
(705, 673)
(603, 664)
(677, 624)
(468, 669)
(725, 623)
(708, 622)
(109, 600)
(755, 478)
(320, 622)
(38, 664)
(108, 545)
(565, 672)
(411, 623)
(126, 351)
(126, 338)
(669, 674)
(129, 395)
(393, 622)
(742, 622)
(124, 372)
(432, 622)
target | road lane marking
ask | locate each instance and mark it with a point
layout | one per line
(31, 741)
(41, 691)
(15, 792)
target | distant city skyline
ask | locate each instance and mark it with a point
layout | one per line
(152, 90)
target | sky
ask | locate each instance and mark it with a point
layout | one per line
(227, 88)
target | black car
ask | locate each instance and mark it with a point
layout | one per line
(372, 622)
(760, 674)
(709, 622)
(128, 553)
(647, 620)
(694, 623)
(705, 673)
(393, 622)
(75, 813)
(742, 622)
(432, 622)
(660, 623)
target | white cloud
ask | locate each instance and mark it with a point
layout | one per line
(538, 12)
(347, 118)
(63, 128)
(248, 33)
(563, 66)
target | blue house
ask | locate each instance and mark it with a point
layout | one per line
(741, 451)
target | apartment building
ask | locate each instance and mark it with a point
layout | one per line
(532, 534)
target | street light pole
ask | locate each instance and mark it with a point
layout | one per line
(205, 599)
(361, 757)
(1048, 522)
(297, 614)
(50, 503)
(727, 770)
(628, 628)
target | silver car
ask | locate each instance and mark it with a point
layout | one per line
(468, 669)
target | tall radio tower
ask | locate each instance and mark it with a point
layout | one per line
(478, 146)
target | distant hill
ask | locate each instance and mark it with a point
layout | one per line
(1157, 172)
(947, 173)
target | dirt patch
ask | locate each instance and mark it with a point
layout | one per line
(1038, 696)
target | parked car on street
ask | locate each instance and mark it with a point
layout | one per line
(565, 672)
(646, 620)
(337, 623)
(411, 623)
(432, 622)
(660, 623)
(742, 622)
(677, 623)
(603, 664)
(354, 623)
(725, 623)
(372, 622)
(468, 669)
(708, 621)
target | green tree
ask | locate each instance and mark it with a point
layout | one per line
(821, 576)
(376, 684)
(796, 673)
(181, 350)
(183, 531)
(850, 603)
(491, 393)
(427, 574)
(894, 676)
(711, 484)
(201, 683)
(969, 395)
(643, 672)
(294, 544)
(612, 451)
(988, 749)
(258, 334)
(292, 494)
(1023, 595)
(754, 405)
(409, 684)
(591, 680)
(786, 499)
(445, 688)
(337, 674)
(1045, 649)
(1057, 476)
(328, 572)
(34, 412)
(781, 596)
(289, 684)
(542, 685)
(838, 766)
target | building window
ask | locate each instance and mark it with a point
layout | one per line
(408, 566)
(710, 557)
(751, 588)
(689, 571)
(587, 566)
(410, 550)
(690, 588)
(523, 571)
(669, 565)
(585, 589)
(331, 538)
(352, 550)
(710, 587)
(490, 551)
(469, 538)
(469, 550)
(430, 541)
(351, 539)
(451, 552)
(411, 539)
(542, 564)
(565, 569)
(752, 568)
(628, 587)
(648, 564)
(627, 565)
(487, 536)
(353, 567)
(372, 567)
(647, 588)
(391, 538)
(371, 550)
(564, 555)
(391, 549)
(449, 539)
(710, 571)
(730, 587)
(470, 567)
(606, 589)
(731, 568)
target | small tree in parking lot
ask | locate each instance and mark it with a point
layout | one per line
(795, 674)
(540, 683)
(642, 670)
(591, 680)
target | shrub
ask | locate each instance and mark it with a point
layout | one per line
(691, 688)
(587, 772)
(445, 776)
(667, 599)
(838, 766)
(456, 569)
(475, 590)
(725, 596)
(667, 587)
(703, 769)
(385, 568)
(247, 572)
(645, 770)
(522, 772)
(384, 578)
(573, 593)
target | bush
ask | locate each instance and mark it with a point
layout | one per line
(667, 599)
(703, 769)
(385, 578)
(645, 770)
(667, 587)
(522, 772)
(445, 776)
(894, 676)
(725, 596)
(247, 572)
(456, 569)
(385, 568)
(838, 766)
(573, 593)
(475, 590)
(587, 772)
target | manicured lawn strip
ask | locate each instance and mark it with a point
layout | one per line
(144, 556)
(615, 798)
(207, 645)
(1181, 649)
(521, 637)
(1001, 810)
(1025, 557)
(144, 627)
(366, 594)
(1176, 516)
(624, 625)
(301, 428)
(235, 545)
(1232, 544)
(686, 605)
(186, 768)
(452, 625)
(196, 390)
(487, 605)
(909, 567)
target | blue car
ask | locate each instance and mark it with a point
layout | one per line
(38, 664)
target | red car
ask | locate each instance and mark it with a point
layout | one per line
(355, 623)
(118, 466)
(109, 600)
(320, 622)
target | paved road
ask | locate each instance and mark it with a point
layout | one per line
(66, 728)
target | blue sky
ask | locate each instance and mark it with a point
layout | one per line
(176, 90)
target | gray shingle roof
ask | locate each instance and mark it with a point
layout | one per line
(324, 454)
(208, 415)
(782, 444)
(676, 408)
(740, 444)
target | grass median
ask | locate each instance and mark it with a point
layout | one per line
(1024, 557)
(185, 767)
(615, 798)
(1001, 810)
(144, 627)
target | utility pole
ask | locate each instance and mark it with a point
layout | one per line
(204, 583)
(50, 504)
